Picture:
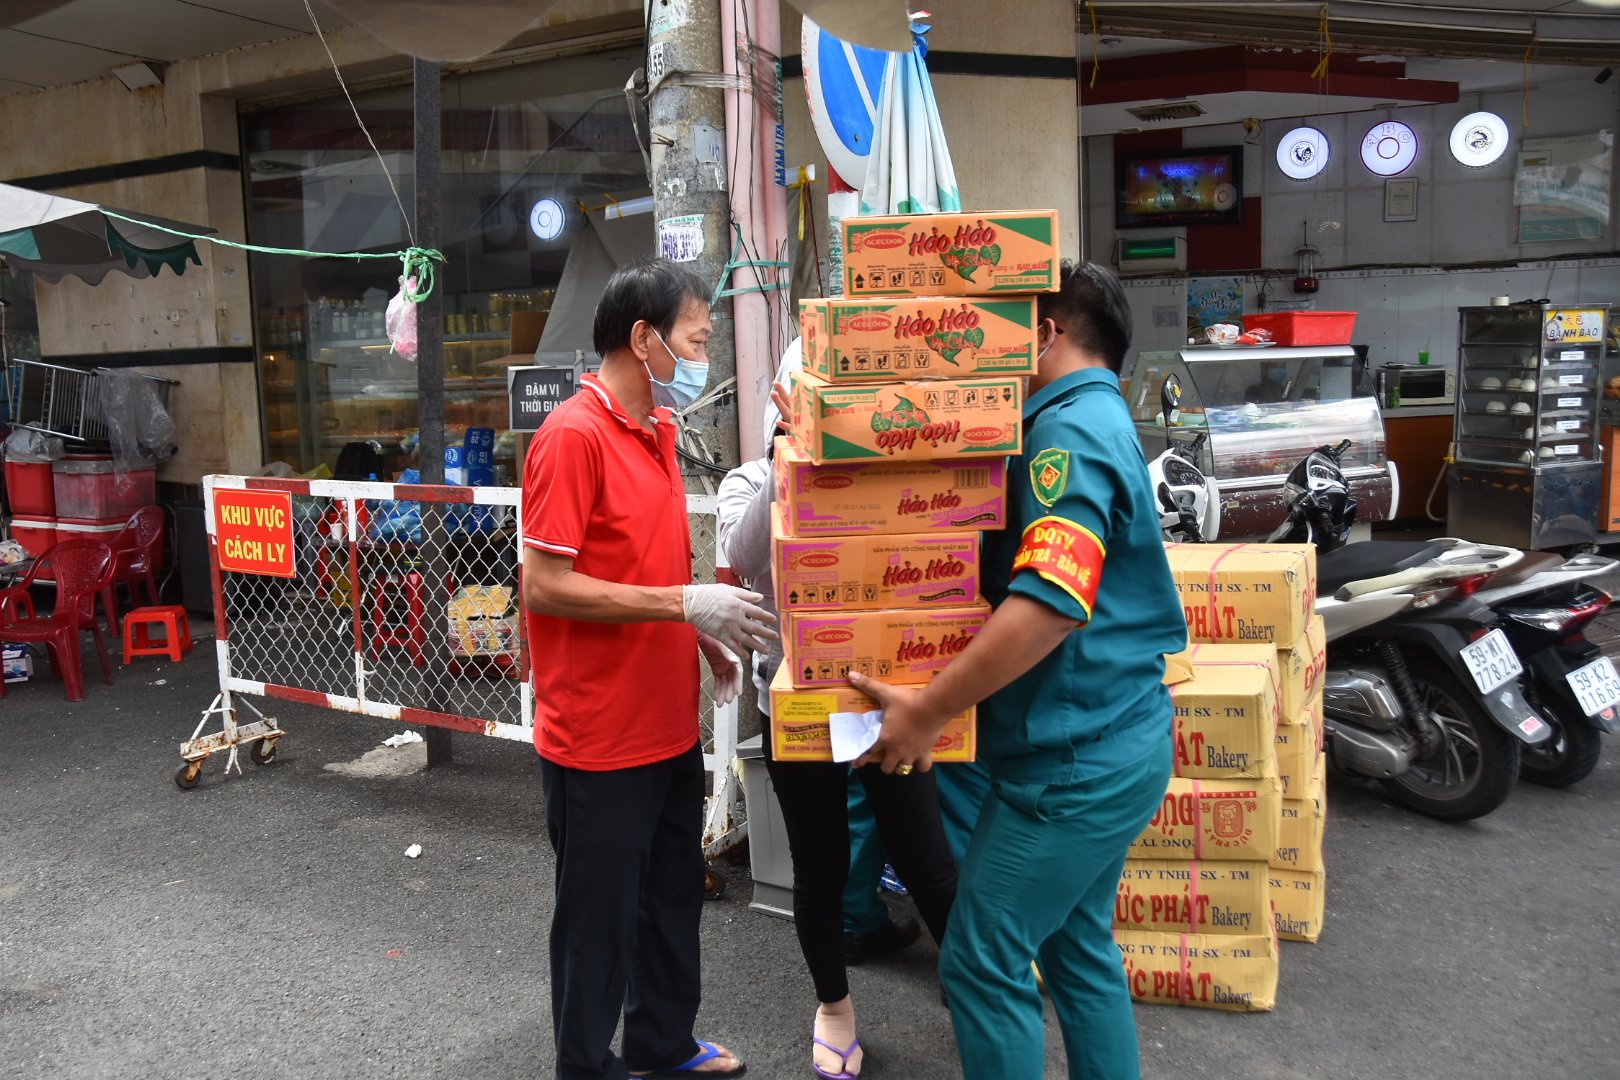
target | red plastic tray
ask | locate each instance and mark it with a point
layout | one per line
(1305, 327)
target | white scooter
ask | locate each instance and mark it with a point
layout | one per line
(1189, 504)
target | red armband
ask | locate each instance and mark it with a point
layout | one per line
(1068, 555)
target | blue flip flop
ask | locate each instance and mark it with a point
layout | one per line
(706, 1052)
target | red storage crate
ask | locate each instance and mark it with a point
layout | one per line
(1303, 327)
(38, 535)
(88, 489)
(30, 488)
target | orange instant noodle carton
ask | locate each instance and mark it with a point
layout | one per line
(897, 646)
(930, 337)
(888, 496)
(873, 570)
(958, 254)
(800, 724)
(922, 420)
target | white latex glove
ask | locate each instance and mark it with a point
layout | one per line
(730, 615)
(726, 668)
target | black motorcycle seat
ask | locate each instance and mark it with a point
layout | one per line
(1371, 558)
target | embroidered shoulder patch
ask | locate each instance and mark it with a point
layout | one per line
(1049, 475)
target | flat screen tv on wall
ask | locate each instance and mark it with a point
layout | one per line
(1203, 186)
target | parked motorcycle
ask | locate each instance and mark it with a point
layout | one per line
(1545, 605)
(1422, 690)
(1189, 505)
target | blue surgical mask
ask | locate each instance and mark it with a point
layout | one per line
(687, 384)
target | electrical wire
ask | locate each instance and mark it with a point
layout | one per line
(410, 230)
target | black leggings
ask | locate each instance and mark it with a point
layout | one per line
(815, 812)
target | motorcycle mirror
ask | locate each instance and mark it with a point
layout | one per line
(1169, 402)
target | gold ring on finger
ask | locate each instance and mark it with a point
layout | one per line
(904, 770)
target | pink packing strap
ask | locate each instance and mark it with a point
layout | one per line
(1198, 821)
(1192, 898)
(1185, 987)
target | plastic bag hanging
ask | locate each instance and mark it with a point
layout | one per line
(400, 321)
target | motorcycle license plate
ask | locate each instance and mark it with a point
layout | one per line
(1491, 661)
(1596, 686)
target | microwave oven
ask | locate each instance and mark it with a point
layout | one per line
(1416, 384)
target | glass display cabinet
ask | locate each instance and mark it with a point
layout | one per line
(1527, 469)
(1264, 409)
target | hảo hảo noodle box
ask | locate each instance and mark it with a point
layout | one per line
(895, 645)
(926, 337)
(888, 496)
(931, 420)
(956, 254)
(873, 570)
(800, 727)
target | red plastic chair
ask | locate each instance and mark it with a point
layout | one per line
(82, 568)
(138, 548)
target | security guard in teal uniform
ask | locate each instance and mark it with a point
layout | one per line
(1075, 720)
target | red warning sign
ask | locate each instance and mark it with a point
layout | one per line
(253, 532)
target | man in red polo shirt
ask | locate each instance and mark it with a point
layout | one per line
(615, 625)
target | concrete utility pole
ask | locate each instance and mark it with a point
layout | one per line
(686, 114)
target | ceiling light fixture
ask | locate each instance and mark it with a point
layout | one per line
(1389, 148)
(1303, 153)
(1479, 139)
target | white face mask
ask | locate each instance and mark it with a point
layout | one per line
(685, 386)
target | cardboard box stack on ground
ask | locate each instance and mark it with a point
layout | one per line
(903, 419)
(1247, 707)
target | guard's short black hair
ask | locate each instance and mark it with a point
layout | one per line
(656, 290)
(1090, 307)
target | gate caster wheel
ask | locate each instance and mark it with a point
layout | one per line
(714, 886)
(187, 775)
(263, 750)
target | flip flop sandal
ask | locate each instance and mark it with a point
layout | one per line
(843, 1054)
(707, 1052)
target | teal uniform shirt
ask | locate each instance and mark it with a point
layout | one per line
(1083, 538)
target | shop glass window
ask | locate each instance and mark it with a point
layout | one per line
(531, 155)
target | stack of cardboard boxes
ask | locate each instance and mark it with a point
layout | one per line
(1224, 863)
(905, 413)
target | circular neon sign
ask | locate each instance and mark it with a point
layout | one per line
(1478, 139)
(1389, 148)
(1302, 153)
(547, 218)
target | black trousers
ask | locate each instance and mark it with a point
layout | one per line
(814, 798)
(624, 933)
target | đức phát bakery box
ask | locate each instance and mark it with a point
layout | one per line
(1206, 971)
(1298, 903)
(922, 420)
(1299, 665)
(1225, 721)
(928, 337)
(1302, 825)
(1188, 897)
(1214, 819)
(888, 496)
(873, 570)
(1245, 593)
(897, 645)
(955, 254)
(800, 722)
(1299, 748)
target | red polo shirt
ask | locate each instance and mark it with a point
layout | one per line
(600, 488)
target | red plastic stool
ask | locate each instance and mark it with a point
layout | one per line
(412, 634)
(138, 640)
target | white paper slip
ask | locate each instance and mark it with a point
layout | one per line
(853, 733)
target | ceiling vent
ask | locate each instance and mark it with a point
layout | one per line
(1170, 110)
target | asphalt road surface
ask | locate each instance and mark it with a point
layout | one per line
(269, 925)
